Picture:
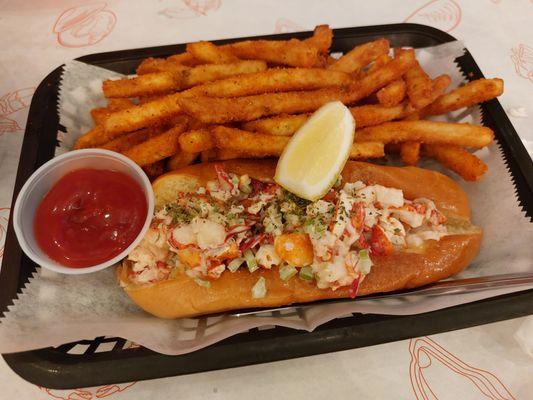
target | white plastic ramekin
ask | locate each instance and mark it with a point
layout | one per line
(42, 180)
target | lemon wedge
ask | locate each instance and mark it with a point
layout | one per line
(316, 154)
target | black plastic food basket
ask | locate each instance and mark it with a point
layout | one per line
(113, 360)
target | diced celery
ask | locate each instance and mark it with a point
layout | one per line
(250, 260)
(287, 272)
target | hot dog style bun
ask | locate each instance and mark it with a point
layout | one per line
(180, 296)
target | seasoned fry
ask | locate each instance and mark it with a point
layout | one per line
(392, 94)
(389, 72)
(150, 65)
(124, 142)
(184, 59)
(427, 132)
(100, 114)
(472, 93)
(321, 39)
(410, 152)
(158, 147)
(358, 151)
(217, 110)
(272, 80)
(419, 86)
(141, 116)
(378, 63)
(294, 53)
(214, 110)
(196, 141)
(165, 82)
(143, 85)
(226, 154)
(283, 125)
(209, 155)
(93, 138)
(286, 125)
(371, 114)
(180, 159)
(465, 164)
(440, 84)
(208, 53)
(255, 144)
(261, 145)
(155, 169)
(360, 56)
(363, 150)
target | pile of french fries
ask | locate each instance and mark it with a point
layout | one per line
(246, 99)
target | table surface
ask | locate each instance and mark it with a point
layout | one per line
(492, 361)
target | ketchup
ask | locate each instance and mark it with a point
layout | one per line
(89, 216)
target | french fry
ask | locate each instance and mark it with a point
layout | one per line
(100, 114)
(119, 104)
(321, 39)
(440, 84)
(93, 138)
(392, 94)
(391, 71)
(186, 59)
(143, 85)
(196, 141)
(155, 169)
(208, 155)
(262, 145)
(375, 114)
(150, 65)
(248, 108)
(361, 56)
(180, 159)
(272, 80)
(158, 147)
(286, 125)
(427, 132)
(330, 60)
(294, 53)
(378, 63)
(227, 154)
(282, 125)
(465, 164)
(254, 144)
(125, 142)
(218, 110)
(358, 151)
(165, 82)
(419, 86)
(140, 116)
(208, 53)
(364, 150)
(472, 93)
(212, 72)
(410, 152)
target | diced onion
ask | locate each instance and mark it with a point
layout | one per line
(259, 290)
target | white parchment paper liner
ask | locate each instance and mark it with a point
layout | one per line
(56, 309)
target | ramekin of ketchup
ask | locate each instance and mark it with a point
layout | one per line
(83, 211)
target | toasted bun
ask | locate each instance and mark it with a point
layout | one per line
(182, 297)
